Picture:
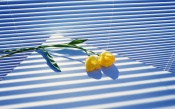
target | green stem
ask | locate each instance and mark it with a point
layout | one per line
(17, 51)
(46, 46)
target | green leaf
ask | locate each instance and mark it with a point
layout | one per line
(77, 41)
(51, 60)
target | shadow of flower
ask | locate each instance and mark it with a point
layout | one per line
(96, 74)
(67, 53)
(70, 52)
(111, 71)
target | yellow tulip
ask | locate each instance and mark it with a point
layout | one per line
(92, 64)
(106, 59)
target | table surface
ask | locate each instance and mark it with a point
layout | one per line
(128, 84)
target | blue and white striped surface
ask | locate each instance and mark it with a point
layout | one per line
(135, 31)
(141, 30)
(132, 85)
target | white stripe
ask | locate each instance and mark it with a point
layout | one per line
(61, 83)
(72, 90)
(90, 6)
(91, 1)
(119, 18)
(76, 75)
(124, 31)
(96, 97)
(130, 103)
(97, 9)
(152, 22)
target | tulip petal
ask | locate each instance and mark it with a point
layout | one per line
(106, 59)
(92, 64)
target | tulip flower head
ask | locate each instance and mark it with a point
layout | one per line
(92, 64)
(106, 59)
